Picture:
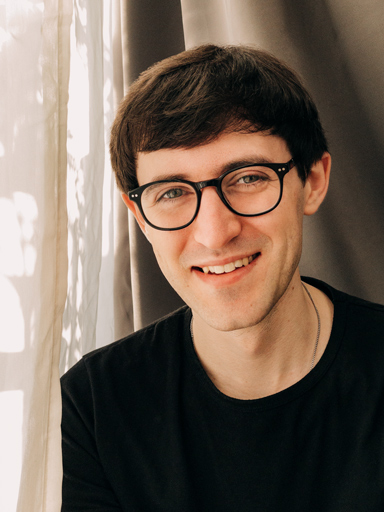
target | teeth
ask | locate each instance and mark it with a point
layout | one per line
(229, 267)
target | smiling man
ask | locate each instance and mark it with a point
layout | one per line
(265, 392)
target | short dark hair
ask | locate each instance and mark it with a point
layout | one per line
(192, 97)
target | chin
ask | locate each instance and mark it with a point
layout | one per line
(229, 319)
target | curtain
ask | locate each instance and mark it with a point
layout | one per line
(152, 296)
(34, 62)
(88, 317)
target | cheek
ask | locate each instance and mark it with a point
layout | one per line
(292, 235)
(283, 224)
(283, 228)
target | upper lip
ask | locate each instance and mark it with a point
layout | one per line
(220, 263)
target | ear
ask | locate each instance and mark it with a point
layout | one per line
(316, 185)
(136, 212)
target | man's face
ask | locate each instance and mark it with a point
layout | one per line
(272, 242)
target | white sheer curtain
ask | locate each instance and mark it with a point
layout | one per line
(88, 317)
(34, 60)
(55, 54)
(56, 185)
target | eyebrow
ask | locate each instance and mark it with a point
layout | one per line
(233, 164)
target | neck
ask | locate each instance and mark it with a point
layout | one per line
(266, 358)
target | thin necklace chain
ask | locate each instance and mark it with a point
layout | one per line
(318, 327)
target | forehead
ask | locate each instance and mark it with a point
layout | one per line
(211, 159)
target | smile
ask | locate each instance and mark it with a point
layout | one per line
(228, 267)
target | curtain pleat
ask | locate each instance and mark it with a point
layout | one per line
(88, 320)
(150, 31)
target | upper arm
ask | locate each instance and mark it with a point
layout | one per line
(85, 486)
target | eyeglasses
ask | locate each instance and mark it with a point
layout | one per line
(249, 191)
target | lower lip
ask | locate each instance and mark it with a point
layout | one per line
(229, 278)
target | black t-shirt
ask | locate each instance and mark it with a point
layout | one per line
(144, 428)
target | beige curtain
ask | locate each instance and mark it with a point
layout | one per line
(34, 61)
(136, 271)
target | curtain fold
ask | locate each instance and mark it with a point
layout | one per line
(150, 31)
(88, 320)
(33, 255)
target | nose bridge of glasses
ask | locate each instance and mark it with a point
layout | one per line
(216, 183)
(207, 183)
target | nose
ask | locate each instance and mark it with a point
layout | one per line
(215, 225)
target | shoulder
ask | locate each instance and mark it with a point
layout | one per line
(160, 341)
(352, 303)
(364, 323)
(358, 329)
(166, 330)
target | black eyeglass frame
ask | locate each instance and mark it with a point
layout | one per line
(280, 169)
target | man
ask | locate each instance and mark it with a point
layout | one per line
(265, 393)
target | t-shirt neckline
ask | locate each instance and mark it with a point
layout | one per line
(294, 391)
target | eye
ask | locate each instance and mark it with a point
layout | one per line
(252, 178)
(249, 176)
(173, 193)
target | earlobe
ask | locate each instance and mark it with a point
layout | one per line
(136, 212)
(317, 183)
